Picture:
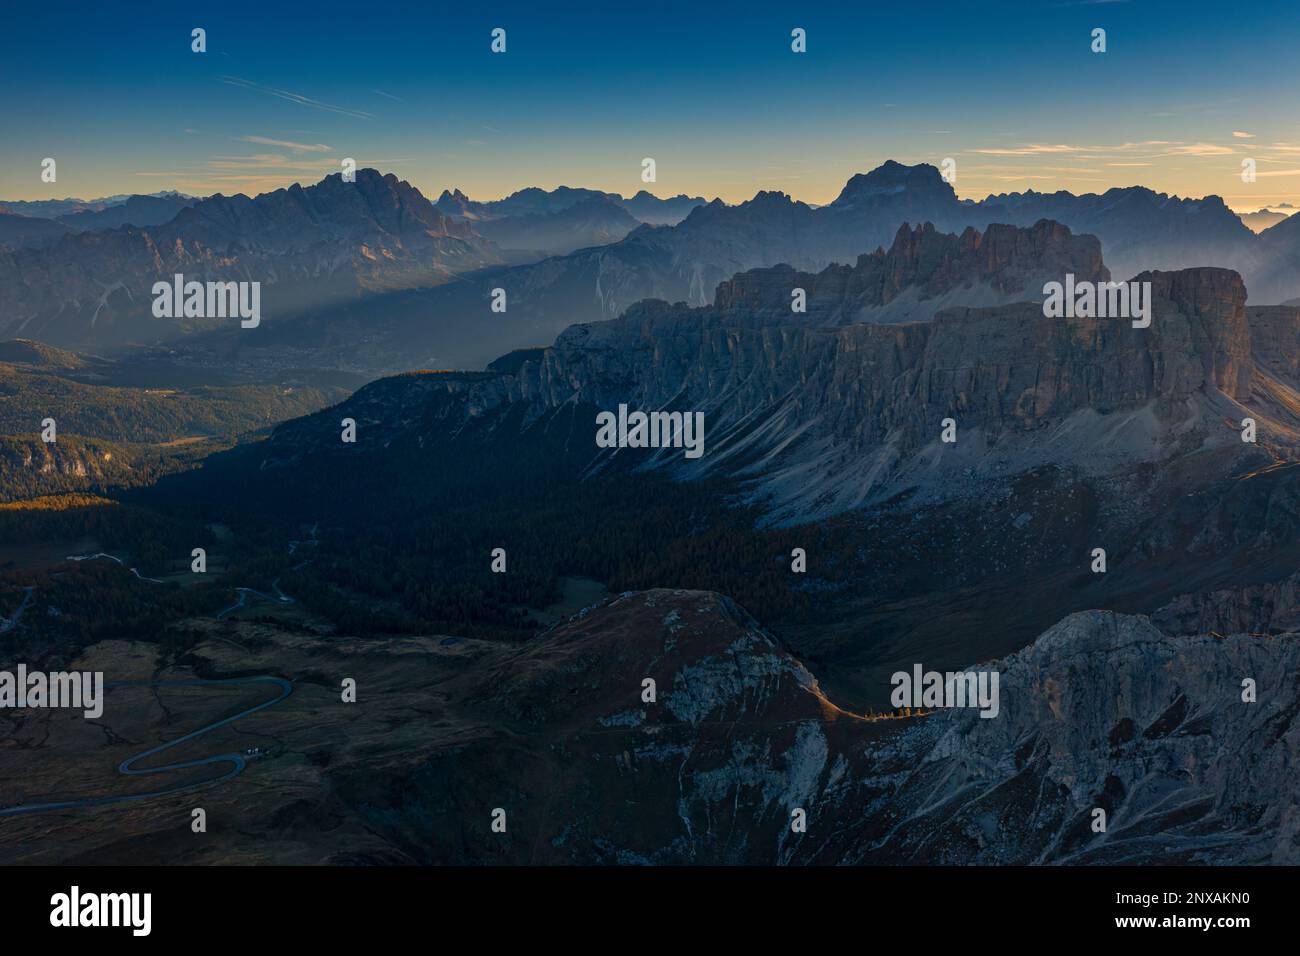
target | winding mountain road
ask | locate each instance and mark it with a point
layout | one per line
(236, 761)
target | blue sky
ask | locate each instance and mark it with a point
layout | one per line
(712, 91)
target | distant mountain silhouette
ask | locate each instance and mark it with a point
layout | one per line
(40, 222)
(593, 222)
(533, 201)
(376, 263)
(135, 211)
(308, 246)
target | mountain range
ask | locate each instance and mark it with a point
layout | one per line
(825, 412)
(378, 278)
(42, 222)
(823, 433)
(1069, 433)
(644, 206)
(440, 327)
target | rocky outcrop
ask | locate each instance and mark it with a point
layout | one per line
(1270, 608)
(735, 741)
(1104, 712)
(30, 467)
(922, 271)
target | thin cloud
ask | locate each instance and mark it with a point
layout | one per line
(390, 96)
(295, 98)
(269, 161)
(1039, 149)
(288, 144)
(1202, 149)
(1240, 135)
(1031, 150)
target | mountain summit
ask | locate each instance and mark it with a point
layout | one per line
(892, 178)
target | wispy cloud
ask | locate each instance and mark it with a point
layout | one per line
(270, 161)
(295, 98)
(1033, 149)
(1240, 135)
(1202, 149)
(288, 144)
(389, 96)
(1038, 149)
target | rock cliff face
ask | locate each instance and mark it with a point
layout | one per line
(820, 417)
(1105, 711)
(825, 419)
(1271, 608)
(1276, 339)
(28, 466)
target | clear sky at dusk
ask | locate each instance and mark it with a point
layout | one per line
(712, 91)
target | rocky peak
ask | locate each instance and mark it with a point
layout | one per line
(890, 179)
(1005, 261)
